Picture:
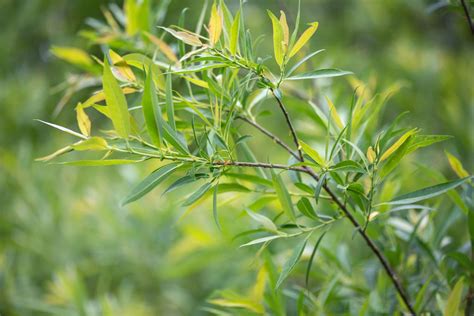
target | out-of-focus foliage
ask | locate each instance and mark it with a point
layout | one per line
(67, 247)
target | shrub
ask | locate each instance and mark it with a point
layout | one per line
(183, 102)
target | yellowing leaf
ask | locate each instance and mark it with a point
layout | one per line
(286, 31)
(304, 38)
(334, 115)
(313, 154)
(138, 15)
(122, 67)
(187, 37)
(277, 39)
(397, 144)
(100, 96)
(457, 166)
(116, 102)
(215, 25)
(83, 120)
(454, 300)
(73, 55)
(371, 154)
(197, 82)
(165, 48)
(92, 143)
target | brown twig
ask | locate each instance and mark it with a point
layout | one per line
(378, 253)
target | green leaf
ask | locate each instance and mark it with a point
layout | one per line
(320, 73)
(263, 220)
(198, 68)
(64, 129)
(302, 61)
(169, 102)
(348, 166)
(234, 34)
(277, 39)
(250, 178)
(311, 259)
(261, 240)
(116, 102)
(283, 196)
(198, 194)
(426, 193)
(454, 300)
(313, 154)
(104, 162)
(174, 138)
(291, 263)
(419, 141)
(186, 37)
(305, 207)
(150, 182)
(151, 110)
(185, 180)
(319, 186)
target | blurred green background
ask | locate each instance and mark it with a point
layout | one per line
(67, 247)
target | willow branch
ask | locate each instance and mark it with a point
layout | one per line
(269, 134)
(378, 253)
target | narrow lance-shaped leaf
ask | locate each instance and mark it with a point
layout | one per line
(277, 39)
(398, 143)
(263, 220)
(186, 37)
(457, 166)
(320, 73)
(83, 121)
(334, 114)
(304, 38)
(116, 102)
(426, 193)
(198, 194)
(291, 263)
(215, 25)
(313, 154)
(454, 300)
(283, 196)
(305, 207)
(151, 110)
(92, 143)
(169, 101)
(311, 259)
(150, 182)
(234, 34)
(285, 30)
(64, 129)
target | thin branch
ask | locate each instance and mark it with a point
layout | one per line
(289, 123)
(468, 15)
(386, 265)
(276, 139)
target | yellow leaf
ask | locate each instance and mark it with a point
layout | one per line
(92, 143)
(286, 31)
(397, 144)
(304, 38)
(457, 166)
(371, 154)
(215, 25)
(100, 96)
(121, 66)
(72, 55)
(334, 115)
(277, 39)
(185, 36)
(165, 48)
(197, 82)
(83, 120)
(313, 154)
